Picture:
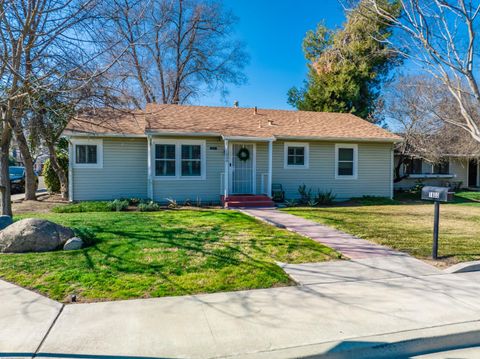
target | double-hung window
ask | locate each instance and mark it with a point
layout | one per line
(346, 161)
(165, 160)
(296, 155)
(191, 160)
(87, 153)
(179, 159)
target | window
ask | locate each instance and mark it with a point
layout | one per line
(179, 159)
(87, 153)
(414, 166)
(191, 160)
(346, 161)
(165, 160)
(296, 155)
(442, 168)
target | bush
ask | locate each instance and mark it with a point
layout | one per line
(50, 176)
(118, 205)
(149, 207)
(305, 194)
(325, 198)
(83, 207)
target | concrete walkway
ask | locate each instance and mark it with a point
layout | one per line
(350, 246)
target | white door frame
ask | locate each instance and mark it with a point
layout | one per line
(230, 167)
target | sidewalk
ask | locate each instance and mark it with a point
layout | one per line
(269, 323)
(350, 246)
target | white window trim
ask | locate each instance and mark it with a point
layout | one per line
(178, 159)
(338, 146)
(306, 146)
(88, 142)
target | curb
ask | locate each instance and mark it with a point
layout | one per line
(465, 267)
(397, 345)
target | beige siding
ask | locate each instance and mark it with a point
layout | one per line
(206, 190)
(374, 171)
(124, 172)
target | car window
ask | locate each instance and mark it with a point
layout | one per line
(16, 171)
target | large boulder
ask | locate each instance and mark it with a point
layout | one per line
(34, 235)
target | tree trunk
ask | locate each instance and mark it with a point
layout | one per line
(30, 177)
(62, 176)
(6, 201)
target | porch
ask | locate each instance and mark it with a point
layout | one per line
(247, 177)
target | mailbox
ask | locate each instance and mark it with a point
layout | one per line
(437, 194)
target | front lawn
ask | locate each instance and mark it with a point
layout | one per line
(138, 255)
(407, 226)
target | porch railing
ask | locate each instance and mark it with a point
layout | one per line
(222, 181)
(263, 181)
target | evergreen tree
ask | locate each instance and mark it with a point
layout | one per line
(347, 66)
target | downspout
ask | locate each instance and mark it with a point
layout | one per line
(392, 169)
(270, 161)
(70, 170)
(149, 166)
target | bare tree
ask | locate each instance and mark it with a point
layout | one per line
(177, 49)
(441, 36)
(414, 106)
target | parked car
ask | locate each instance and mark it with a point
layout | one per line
(17, 178)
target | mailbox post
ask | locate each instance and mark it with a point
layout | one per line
(437, 195)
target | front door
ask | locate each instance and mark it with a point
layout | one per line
(242, 167)
(472, 173)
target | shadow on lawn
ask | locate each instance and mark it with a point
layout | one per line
(231, 240)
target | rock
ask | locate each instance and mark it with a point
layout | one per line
(34, 235)
(5, 221)
(73, 243)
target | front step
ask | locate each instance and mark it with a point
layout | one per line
(239, 201)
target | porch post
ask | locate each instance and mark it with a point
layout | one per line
(269, 181)
(149, 166)
(226, 170)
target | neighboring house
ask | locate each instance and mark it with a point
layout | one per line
(455, 171)
(194, 152)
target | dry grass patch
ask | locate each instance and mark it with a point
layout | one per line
(407, 227)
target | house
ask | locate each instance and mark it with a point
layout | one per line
(454, 170)
(195, 152)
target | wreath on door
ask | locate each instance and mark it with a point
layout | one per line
(243, 154)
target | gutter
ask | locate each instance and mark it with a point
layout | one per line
(248, 138)
(341, 139)
(92, 134)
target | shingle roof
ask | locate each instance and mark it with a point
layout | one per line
(224, 121)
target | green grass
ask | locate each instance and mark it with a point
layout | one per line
(406, 225)
(165, 253)
(83, 207)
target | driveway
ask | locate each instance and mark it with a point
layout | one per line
(42, 189)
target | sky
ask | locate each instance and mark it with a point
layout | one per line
(273, 31)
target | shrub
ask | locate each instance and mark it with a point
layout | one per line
(325, 198)
(149, 207)
(290, 203)
(83, 207)
(118, 205)
(305, 194)
(50, 176)
(172, 203)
